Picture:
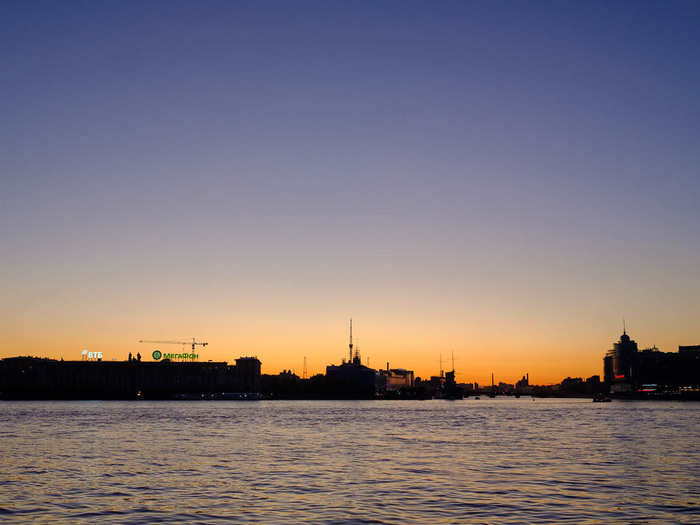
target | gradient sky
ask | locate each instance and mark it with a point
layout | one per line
(501, 180)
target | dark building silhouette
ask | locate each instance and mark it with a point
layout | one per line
(394, 379)
(523, 386)
(285, 385)
(628, 370)
(593, 384)
(436, 383)
(608, 374)
(247, 374)
(450, 389)
(350, 380)
(667, 370)
(37, 378)
(621, 363)
(572, 385)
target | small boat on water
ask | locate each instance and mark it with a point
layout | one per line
(600, 398)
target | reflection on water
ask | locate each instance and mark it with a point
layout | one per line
(490, 461)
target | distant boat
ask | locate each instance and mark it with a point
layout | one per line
(188, 397)
(237, 396)
(600, 398)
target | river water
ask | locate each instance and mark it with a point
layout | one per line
(471, 461)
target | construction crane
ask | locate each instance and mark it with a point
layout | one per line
(194, 343)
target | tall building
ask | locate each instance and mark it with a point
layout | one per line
(620, 363)
(248, 374)
(608, 374)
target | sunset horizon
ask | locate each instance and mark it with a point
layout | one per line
(475, 363)
(502, 182)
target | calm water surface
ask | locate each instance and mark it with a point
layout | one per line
(486, 461)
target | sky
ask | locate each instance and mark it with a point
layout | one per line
(501, 181)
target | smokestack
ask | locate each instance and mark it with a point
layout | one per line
(387, 367)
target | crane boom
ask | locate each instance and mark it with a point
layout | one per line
(193, 342)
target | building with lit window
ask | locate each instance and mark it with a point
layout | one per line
(623, 360)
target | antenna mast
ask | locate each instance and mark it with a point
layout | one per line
(350, 345)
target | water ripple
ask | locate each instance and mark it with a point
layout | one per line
(487, 461)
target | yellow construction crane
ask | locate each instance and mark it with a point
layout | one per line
(194, 343)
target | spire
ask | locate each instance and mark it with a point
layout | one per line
(624, 327)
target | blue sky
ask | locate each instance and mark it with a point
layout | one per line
(437, 167)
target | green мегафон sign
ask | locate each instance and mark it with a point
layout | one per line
(157, 355)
